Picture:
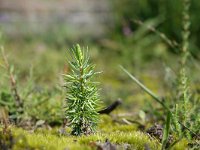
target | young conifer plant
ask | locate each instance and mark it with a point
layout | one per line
(81, 93)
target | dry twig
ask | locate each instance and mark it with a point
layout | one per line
(17, 98)
(110, 108)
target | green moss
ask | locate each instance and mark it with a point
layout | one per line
(181, 145)
(43, 139)
(117, 134)
(136, 139)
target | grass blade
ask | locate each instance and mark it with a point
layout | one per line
(148, 91)
(166, 131)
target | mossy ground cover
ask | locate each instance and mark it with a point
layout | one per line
(122, 136)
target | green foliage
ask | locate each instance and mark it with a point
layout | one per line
(175, 121)
(169, 12)
(183, 108)
(46, 102)
(10, 99)
(166, 131)
(185, 111)
(7, 101)
(81, 93)
(184, 114)
(42, 98)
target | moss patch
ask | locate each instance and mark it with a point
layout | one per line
(47, 140)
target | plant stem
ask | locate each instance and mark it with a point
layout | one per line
(154, 96)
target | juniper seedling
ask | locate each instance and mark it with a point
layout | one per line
(81, 93)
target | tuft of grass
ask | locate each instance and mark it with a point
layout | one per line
(166, 131)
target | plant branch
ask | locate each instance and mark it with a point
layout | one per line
(173, 44)
(13, 83)
(111, 107)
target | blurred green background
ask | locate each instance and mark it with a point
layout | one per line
(36, 35)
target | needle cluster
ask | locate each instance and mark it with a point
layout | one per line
(81, 93)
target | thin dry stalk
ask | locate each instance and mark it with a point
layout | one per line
(4, 119)
(17, 98)
(173, 44)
